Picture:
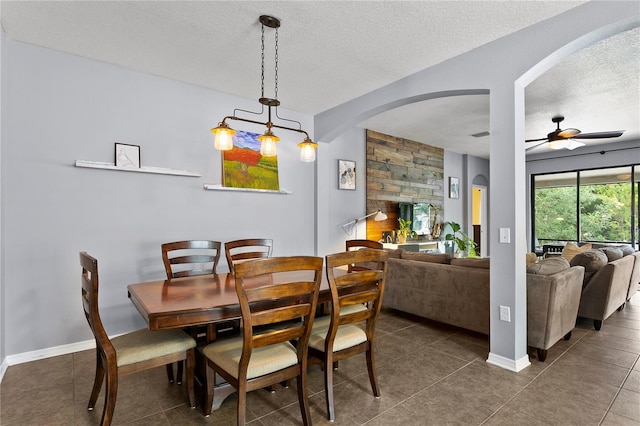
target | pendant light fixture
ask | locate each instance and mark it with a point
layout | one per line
(224, 134)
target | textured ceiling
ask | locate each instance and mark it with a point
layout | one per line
(329, 52)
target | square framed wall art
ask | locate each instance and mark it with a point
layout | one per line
(127, 155)
(346, 174)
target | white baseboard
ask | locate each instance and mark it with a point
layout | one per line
(3, 368)
(509, 364)
(44, 353)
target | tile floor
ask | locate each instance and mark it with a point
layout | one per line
(430, 374)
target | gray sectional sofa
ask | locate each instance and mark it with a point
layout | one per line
(456, 291)
(611, 278)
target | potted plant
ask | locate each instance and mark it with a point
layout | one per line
(405, 231)
(462, 241)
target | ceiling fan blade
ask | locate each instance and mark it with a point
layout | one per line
(574, 144)
(567, 133)
(600, 135)
(537, 145)
(536, 140)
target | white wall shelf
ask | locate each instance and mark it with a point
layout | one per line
(156, 170)
(218, 187)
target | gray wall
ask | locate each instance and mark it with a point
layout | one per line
(59, 108)
(531, 52)
(2, 297)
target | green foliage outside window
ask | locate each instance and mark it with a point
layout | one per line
(604, 211)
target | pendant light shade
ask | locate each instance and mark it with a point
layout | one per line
(224, 134)
(268, 146)
(308, 150)
(223, 137)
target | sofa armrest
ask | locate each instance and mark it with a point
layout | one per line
(552, 306)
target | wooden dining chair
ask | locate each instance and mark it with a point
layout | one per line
(190, 258)
(129, 353)
(242, 250)
(358, 245)
(339, 336)
(276, 309)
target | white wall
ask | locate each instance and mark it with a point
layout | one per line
(60, 108)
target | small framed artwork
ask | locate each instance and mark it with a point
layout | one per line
(454, 187)
(127, 155)
(346, 174)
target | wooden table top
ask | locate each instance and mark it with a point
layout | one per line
(199, 300)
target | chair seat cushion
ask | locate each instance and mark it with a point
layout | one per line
(346, 337)
(268, 359)
(143, 345)
(349, 309)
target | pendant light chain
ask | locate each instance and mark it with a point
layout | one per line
(276, 55)
(262, 67)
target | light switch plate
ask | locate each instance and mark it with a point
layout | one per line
(505, 235)
(505, 313)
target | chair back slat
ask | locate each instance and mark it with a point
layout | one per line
(277, 291)
(359, 245)
(190, 258)
(284, 313)
(359, 297)
(361, 278)
(277, 336)
(247, 249)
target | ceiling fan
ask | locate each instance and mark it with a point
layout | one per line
(559, 139)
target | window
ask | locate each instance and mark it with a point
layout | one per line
(599, 205)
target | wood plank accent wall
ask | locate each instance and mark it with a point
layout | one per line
(401, 170)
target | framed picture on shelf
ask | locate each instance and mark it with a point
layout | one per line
(346, 174)
(454, 187)
(127, 155)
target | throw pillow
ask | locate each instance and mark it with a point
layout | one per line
(626, 249)
(612, 253)
(592, 260)
(549, 266)
(531, 258)
(427, 257)
(471, 262)
(570, 250)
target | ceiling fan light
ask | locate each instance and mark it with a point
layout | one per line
(559, 144)
(572, 144)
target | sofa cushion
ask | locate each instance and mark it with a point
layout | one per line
(612, 253)
(531, 258)
(592, 260)
(427, 257)
(549, 266)
(570, 250)
(471, 262)
(626, 249)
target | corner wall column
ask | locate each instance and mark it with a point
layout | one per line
(508, 340)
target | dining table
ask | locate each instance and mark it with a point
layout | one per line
(203, 300)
